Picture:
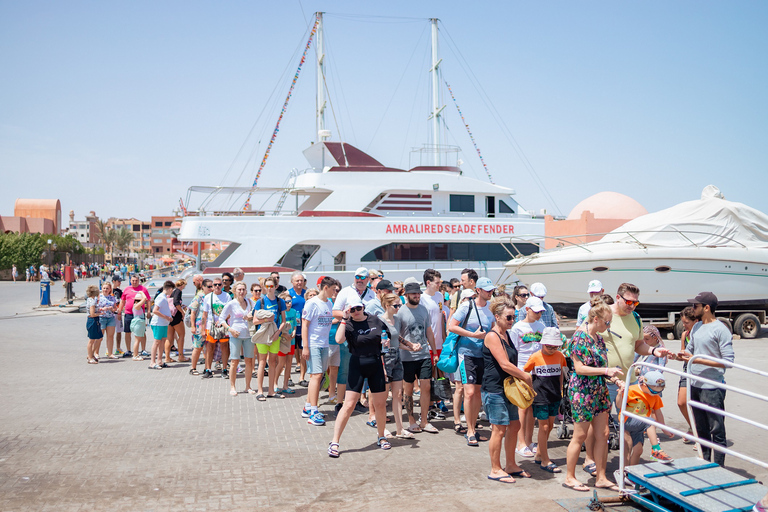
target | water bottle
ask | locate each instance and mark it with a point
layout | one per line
(384, 342)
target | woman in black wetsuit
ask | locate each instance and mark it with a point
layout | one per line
(363, 334)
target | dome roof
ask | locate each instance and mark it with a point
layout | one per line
(608, 205)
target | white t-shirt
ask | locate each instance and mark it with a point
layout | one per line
(237, 316)
(163, 304)
(435, 316)
(526, 338)
(218, 306)
(348, 293)
(583, 312)
(317, 314)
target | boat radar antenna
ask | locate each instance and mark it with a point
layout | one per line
(247, 205)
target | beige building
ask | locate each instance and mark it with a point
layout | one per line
(34, 216)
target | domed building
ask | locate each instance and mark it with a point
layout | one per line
(591, 219)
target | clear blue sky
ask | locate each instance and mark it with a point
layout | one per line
(118, 107)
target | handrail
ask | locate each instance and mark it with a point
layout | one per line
(690, 403)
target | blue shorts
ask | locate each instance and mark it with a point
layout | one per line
(499, 410)
(344, 355)
(240, 345)
(159, 331)
(107, 321)
(546, 411)
(93, 327)
(318, 360)
(636, 430)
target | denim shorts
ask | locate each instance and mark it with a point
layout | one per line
(318, 360)
(344, 355)
(499, 410)
(107, 321)
(334, 355)
(239, 346)
(93, 327)
(636, 430)
(546, 411)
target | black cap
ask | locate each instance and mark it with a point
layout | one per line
(385, 285)
(706, 298)
(412, 288)
(117, 278)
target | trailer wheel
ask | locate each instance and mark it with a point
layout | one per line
(747, 326)
(678, 329)
(727, 323)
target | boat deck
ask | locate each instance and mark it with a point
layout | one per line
(694, 485)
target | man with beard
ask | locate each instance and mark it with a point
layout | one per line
(415, 328)
(709, 337)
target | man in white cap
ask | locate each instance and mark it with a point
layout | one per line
(594, 289)
(359, 289)
(548, 317)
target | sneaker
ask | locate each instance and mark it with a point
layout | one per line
(128, 354)
(442, 407)
(316, 419)
(661, 456)
(217, 366)
(296, 369)
(338, 408)
(435, 414)
(119, 352)
(482, 416)
(144, 353)
(463, 419)
(224, 374)
(305, 413)
(360, 407)
(290, 383)
(207, 374)
(240, 368)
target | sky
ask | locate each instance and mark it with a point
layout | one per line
(119, 107)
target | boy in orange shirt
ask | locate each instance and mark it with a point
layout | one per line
(546, 367)
(643, 400)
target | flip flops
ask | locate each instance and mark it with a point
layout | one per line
(502, 479)
(261, 398)
(590, 468)
(551, 468)
(371, 423)
(525, 452)
(577, 487)
(471, 440)
(429, 429)
(520, 474)
(459, 428)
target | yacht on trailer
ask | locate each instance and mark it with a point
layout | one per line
(348, 210)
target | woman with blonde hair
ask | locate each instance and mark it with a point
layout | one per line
(92, 325)
(176, 330)
(236, 314)
(107, 306)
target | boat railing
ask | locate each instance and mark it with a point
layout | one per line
(690, 405)
(416, 265)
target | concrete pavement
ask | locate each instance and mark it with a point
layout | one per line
(118, 436)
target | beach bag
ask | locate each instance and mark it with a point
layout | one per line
(441, 389)
(285, 338)
(518, 392)
(139, 326)
(218, 331)
(449, 357)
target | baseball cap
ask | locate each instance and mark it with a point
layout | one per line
(466, 293)
(539, 290)
(535, 304)
(412, 288)
(409, 280)
(485, 284)
(385, 285)
(373, 274)
(353, 301)
(655, 378)
(319, 280)
(594, 286)
(551, 336)
(362, 272)
(117, 278)
(706, 298)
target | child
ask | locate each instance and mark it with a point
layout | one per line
(289, 333)
(644, 399)
(546, 367)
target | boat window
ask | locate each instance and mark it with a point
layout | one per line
(462, 203)
(445, 252)
(504, 208)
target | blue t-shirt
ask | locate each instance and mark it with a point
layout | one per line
(277, 307)
(291, 317)
(297, 304)
(473, 347)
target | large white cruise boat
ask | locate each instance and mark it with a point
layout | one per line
(348, 210)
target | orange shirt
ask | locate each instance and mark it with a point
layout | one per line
(546, 371)
(641, 403)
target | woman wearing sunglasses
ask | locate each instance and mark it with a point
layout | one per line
(520, 294)
(393, 365)
(363, 334)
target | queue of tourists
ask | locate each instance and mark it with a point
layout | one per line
(481, 347)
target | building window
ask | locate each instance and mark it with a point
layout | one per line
(167, 224)
(157, 241)
(462, 203)
(136, 227)
(145, 226)
(158, 224)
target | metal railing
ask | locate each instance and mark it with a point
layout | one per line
(690, 404)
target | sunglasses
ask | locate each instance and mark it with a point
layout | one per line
(217, 284)
(360, 277)
(256, 290)
(510, 318)
(209, 286)
(396, 306)
(356, 308)
(607, 323)
(630, 302)
(268, 287)
(524, 295)
(456, 286)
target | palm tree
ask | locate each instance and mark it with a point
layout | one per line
(122, 239)
(106, 236)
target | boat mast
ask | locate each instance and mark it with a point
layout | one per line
(321, 134)
(437, 109)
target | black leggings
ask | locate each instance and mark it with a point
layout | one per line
(366, 367)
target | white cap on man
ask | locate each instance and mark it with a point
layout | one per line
(361, 272)
(539, 290)
(467, 293)
(595, 286)
(535, 304)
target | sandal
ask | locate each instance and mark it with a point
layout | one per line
(251, 392)
(459, 429)
(471, 440)
(233, 392)
(92, 361)
(525, 452)
(261, 398)
(138, 358)
(333, 452)
(113, 356)
(505, 479)
(577, 487)
(428, 428)
(277, 395)
(383, 443)
(520, 474)
(405, 435)
(192, 371)
(551, 468)
(371, 423)
(590, 468)
(414, 429)
(613, 487)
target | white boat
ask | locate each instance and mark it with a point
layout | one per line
(709, 244)
(348, 210)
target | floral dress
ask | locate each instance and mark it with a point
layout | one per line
(588, 393)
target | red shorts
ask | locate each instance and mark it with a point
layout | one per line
(283, 354)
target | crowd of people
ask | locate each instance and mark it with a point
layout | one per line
(376, 339)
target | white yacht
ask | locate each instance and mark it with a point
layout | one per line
(348, 210)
